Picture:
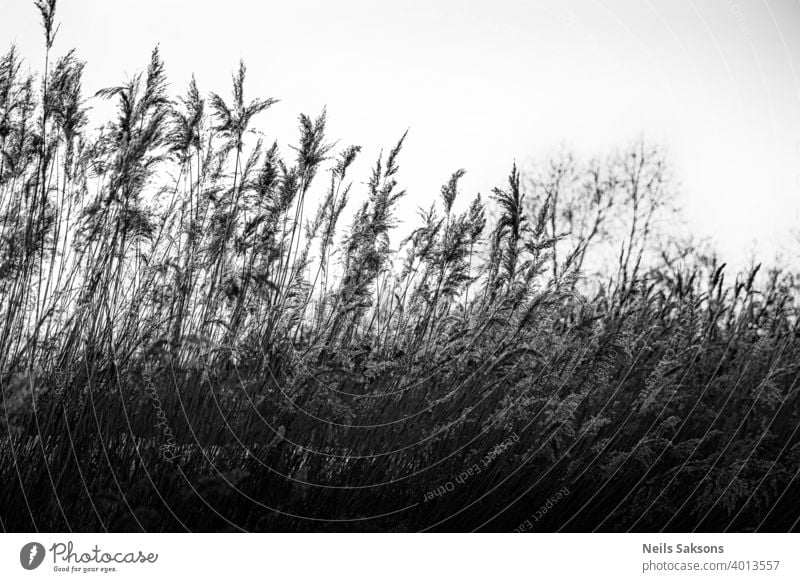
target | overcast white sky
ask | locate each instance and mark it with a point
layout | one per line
(481, 84)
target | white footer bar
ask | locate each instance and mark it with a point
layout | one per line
(401, 557)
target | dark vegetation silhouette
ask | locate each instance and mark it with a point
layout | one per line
(191, 338)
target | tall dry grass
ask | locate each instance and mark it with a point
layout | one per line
(191, 339)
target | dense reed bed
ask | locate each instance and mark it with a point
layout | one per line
(201, 330)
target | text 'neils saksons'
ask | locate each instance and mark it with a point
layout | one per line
(663, 548)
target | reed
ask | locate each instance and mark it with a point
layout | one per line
(190, 338)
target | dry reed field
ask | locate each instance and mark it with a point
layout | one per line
(202, 330)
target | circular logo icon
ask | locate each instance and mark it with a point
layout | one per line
(31, 555)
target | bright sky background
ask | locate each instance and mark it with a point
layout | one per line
(481, 84)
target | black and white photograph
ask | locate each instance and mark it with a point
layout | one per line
(444, 267)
